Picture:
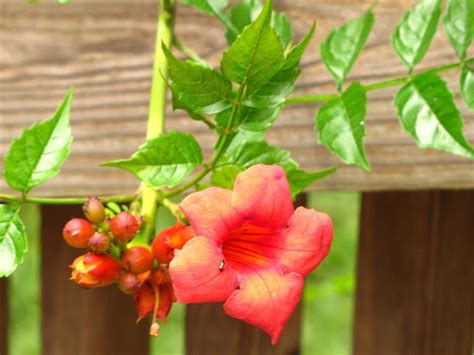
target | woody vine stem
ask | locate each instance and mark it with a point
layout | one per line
(156, 118)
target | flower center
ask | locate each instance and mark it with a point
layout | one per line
(249, 245)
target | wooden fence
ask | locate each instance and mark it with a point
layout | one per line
(415, 293)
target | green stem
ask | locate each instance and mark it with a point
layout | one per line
(171, 206)
(380, 85)
(221, 147)
(219, 150)
(67, 200)
(187, 185)
(310, 98)
(188, 52)
(226, 22)
(157, 110)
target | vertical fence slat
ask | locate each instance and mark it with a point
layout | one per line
(3, 316)
(78, 321)
(209, 331)
(415, 294)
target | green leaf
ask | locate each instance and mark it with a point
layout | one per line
(163, 161)
(253, 119)
(275, 91)
(427, 111)
(13, 241)
(256, 55)
(260, 152)
(282, 26)
(340, 123)
(243, 13)
(39, 152)
(294, 56)
(250, 119)
(299, 180)
(467, 85)
(343, 45)
(252, 152)
(238, 138)
(281, 85)
(225, 176)
(459, 25)
(211, 7)
(414, 33)
(198, 87)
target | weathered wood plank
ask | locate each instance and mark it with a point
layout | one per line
(3, 316)
(105, 50)
(209, 331)
(415, 294)
(78, 321)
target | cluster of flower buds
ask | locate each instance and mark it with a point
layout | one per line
(138, 270)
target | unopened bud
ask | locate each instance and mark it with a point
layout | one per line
(129, 283)
(124, 226)
(137, 259)
(155, 329)
(94, 210)
(95, 270)
(157, 276)
(169, 239)
(77, 232)
(99, 243)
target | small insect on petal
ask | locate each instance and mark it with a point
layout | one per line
(221, 265)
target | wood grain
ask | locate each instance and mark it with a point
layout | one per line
(3, 317)
(415, 290)
(105, 50)
(209, 331)
(79, 321)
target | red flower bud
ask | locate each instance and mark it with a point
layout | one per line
(94, 210)
(161, 249)
(129, 283)
(137, 260)
(95, 270)
(77, 232)
(124, 226)
(171, 238)
(144, 276)
(157, 276)
(99, 243)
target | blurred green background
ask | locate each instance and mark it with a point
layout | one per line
(328, 298)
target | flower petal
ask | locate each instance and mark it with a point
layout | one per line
(166, 300)
(306, 241)
(145, 301)
(210, 213)
(198, 275)
(262, 196)
(266, 299)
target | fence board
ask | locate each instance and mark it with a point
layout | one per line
(209, 331)
(415, 294)
(105, 50)
(79, 321)
(3, 317)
